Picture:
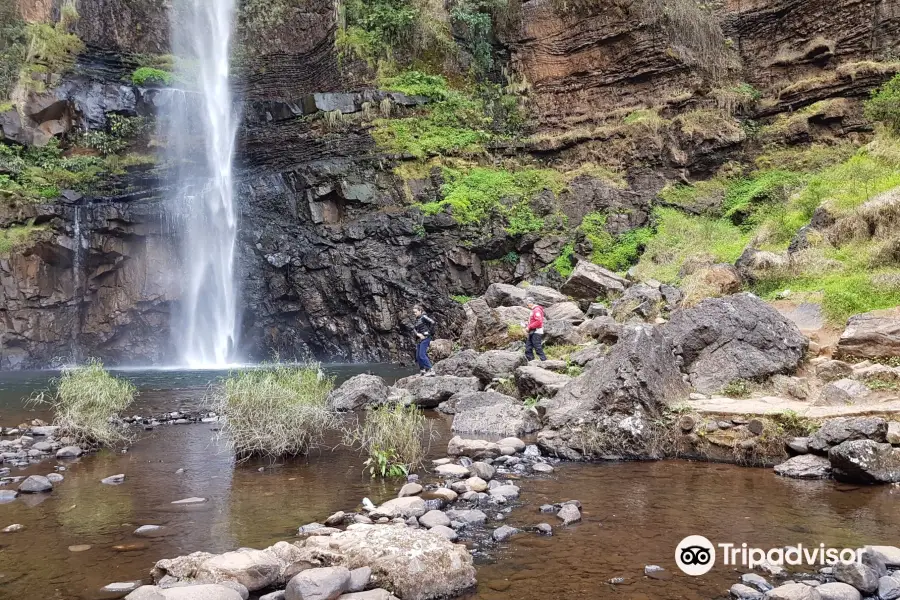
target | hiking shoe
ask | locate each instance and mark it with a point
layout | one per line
(429, 373)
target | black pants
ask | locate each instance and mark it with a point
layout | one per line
(533, 344)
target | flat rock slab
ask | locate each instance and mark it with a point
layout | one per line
(770, 405)
(193, 500)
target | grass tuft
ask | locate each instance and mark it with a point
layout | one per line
(275, 410)
(87, 402)
(395, 438)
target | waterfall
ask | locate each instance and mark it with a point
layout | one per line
(201, 127)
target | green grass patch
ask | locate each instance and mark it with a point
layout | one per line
(275, 410)
(461, 299)
(151, 76)
(86, 403)
(616, 253)
(477, 194)
(417, 83)
(884, 105)
(565, 262)
(12, 238)
(680, 236)
(395, 439)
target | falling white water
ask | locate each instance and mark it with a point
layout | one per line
(202, 125)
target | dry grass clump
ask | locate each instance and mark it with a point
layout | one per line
(633, 438)
(709, 123)
(87, 402)
(275, 410)
(395, 438)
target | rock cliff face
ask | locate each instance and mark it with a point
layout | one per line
(331, 254)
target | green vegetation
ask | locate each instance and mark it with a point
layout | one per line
(737, 389)
(13, 48)
(121, 133)
(884, 105)
(477, 194)
(151, 76)
(394, 438)
(86, 404)
(788, 422)
(275, 410)
(461, 299)
(565, 262)
(616, 253)
(681, 237)
(560, 352)
(12, 238)
(35, 174)
(52, 49)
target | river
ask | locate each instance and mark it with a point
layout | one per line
(634, 513)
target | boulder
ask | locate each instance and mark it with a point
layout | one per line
(564, 311)
(503, 533)
(865, 461)
(641, 300)
(871, 335)
(791, 387)
(451, 470)
(841, 393)
(428, 392)
(562, 333)
(191, 592)
(69, 452)
(408, 506)
(589, 282)
(889, 555)
(433, 518)
(739, 591)
(359, 579)
(359, 392)
(254, 569)
(440, 349)
(638, 375)
(888, 588)
(326, 583)
(832, 370)
(721, 279)
(461, 364)
(483, 327)
(596, 309)
(413, 564)
(468, 517)
(843, 429)
(805, 466)
(513, 315)
(838, 591)
(35, 484)
(737, 337)
(483, 470)
(410, 489)
(475, 449)
(376, 594)
(502, 294)
(876, 372)
(588, 355)
(508, 491)
(498, 364)
(605, 330)
(793, 591)
(569, 513)
(535, 382)
(445, 532)
(492, 413)
(860, 576)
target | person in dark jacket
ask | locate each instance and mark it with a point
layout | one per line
(424, 329)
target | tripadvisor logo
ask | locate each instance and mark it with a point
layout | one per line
(695, 555)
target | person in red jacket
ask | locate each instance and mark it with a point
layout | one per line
(534, 331)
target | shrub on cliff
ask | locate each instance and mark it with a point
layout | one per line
(275, 410)
(395, 439)
(151, 76)
(884, 105)
(86, 403)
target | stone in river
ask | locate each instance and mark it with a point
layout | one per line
(544, 529)
(121, 587)
(55, 477)
(324, 583)
(113, 479)
(503, 533)
(569, 513)
(148, 530)
(35, 484)
(410, 489)
(14, 528)
(445, 532)
(69, 452)
(80, 548)
(192, 500)
(7, 496)
(838, 591)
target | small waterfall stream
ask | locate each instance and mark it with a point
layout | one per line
(202, 126)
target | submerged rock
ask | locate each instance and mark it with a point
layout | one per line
(805, 466)
(35, 484)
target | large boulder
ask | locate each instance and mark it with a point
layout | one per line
(841, 393)
(476, 449)
(428, 392)
(407, 506)
(738, 337)
(191, 592)
(859, 575)
(562, 333)
(254, 569)
(536, 382)
(564, 311)
(483, 327)
(413, 564)
(440, 349)
(503, 294)
(865, 461)
(805, 466)
(359, 392)
(872, 335)
(491, 413)
(642, 300)
(842, 429)
(325, 583)
(498, 364)
(589, 354)
(838, 591)
(793, 591)
(638, 375)
(460, 364)
(513, 315)
(589, 282)
(603, 329)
